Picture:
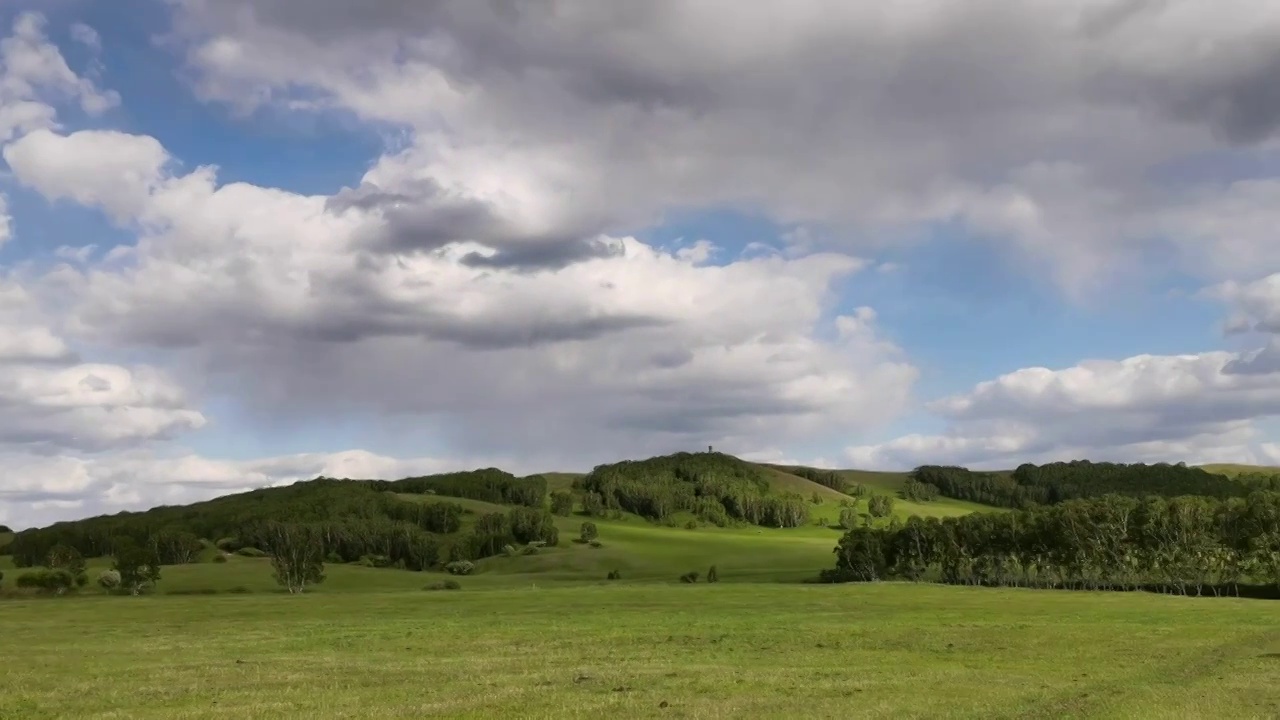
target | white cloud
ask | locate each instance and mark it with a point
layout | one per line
(34, 75)
(1195, 408)
(1039, 123)
(51, 401)
(6, 221)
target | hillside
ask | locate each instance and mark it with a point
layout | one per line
(656, 518)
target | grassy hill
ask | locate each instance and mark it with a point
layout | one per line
(641, 549)
(1233, 470)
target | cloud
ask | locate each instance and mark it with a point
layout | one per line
(1197, 408)
(281, 302)
(34, 74)
(6, 221)
(50, 401)
(1039, 124)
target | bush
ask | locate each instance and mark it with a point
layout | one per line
(596, 544)
(509, 550)
(588, 532)
(1, 576)
(712, 575)
(45, 580)
(334, 558)
(444, 585)
(529, 550)
(109, 580)
(562, 503)
(691, 525)
(251, 552)
(219, 558)
(374, 561)
(614, 575)
(848, 518)
(460, 567)
(228, 544)
(239, 590)
(689, 577)
(880, 506)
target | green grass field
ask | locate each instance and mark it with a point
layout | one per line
(546, 636)
(656, 650)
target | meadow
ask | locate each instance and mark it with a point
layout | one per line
(544, 634)
(658, 650)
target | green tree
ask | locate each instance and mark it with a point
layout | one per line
(297, 555)
(880, 506)
(139, 568)
(65, 557)
(588, 532)
(562, 503)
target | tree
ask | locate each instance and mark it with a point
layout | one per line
(588, 532)
(297, 555)
(138, 567)
(109, 580)
(849, 518)
(713, 575)
(880, 506)
(562, 503)
(65, 557)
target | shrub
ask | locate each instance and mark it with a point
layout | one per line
(848, 518)
(139, 568)
(880, 506)
(334, 558)
(1, 576)
(691, 525)
(239, 590)
(857, 490)
(614, 575)
(444, 585)
(562, 503)
(538, 544)
(228, 544)
(596, 544)
(219, 558)
(588, 532)
(109, 580)
(509, 550)
(46, 580)
(712, 575)
(529, 550)
(460, 567)
(689, 577)
(374, 561)
(250, 552)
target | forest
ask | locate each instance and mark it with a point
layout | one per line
(1186, 545)
(719, 489)
(355, 518)
(1056, 482)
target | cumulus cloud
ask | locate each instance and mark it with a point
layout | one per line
(50, 401)
(34, 75)
(1196, 408)
(1037, 123)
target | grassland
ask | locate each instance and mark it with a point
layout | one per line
(656, 650)
(1235, 470)
(546, 636)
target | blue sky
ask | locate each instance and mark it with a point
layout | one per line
(434, 240)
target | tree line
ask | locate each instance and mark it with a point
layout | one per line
(1060, 481)
(1187, 545)
(361, 517)
(717, 488)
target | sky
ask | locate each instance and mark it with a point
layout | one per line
(246, 242)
